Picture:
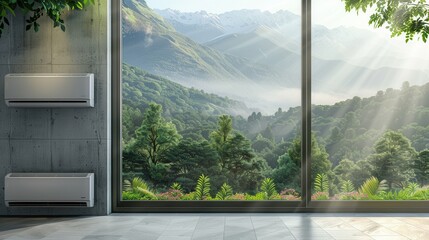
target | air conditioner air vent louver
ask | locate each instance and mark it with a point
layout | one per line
(48, 204)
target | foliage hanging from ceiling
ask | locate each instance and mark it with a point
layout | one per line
(35, 9)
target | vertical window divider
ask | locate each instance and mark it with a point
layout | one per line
(116, 101)
(306, 102)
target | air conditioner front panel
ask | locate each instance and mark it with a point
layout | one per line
(49, 90)
(47, 188)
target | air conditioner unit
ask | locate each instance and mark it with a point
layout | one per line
(49, 90)
(49, 190)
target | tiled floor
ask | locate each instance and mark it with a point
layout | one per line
(220, 226)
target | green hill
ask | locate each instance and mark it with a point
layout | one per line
(189, 108)
(350, 128)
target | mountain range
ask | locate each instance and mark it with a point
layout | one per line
(254, 56)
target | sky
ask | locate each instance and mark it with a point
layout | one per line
(329, 13)
(325, 12)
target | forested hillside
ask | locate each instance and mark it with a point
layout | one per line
(190, 109)
(199, 133)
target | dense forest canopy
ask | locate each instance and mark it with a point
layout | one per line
(174, 134)
(182, 143)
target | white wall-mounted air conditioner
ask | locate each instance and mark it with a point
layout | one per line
(49, 190)
(49, 90)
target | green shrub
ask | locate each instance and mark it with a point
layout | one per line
(171, 194)
(202, 190)
(127, 196)
(347, 187)
(139, 187)
(320, 196)
(372, 186)
(177, 186)
(412, 188)
(422, 194)
(321, 183)
(238, 197)
(224, 193)
(269, 188)
(189, 197)
(260, 196)
(351, 196)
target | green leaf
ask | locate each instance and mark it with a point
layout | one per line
(269, 188)
(224, 193)
(347, 187)
(321, 183)
(202, 190)
(36, 27)
(63, 28)
(372, 186)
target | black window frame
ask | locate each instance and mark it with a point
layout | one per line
(305, 205)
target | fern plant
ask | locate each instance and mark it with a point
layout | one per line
(224, 193)
(321, 183)
(412, 188)
(202, 190)
(347, 187)
(177, 186)
(372, 186)
(269, 188)
(139, 187)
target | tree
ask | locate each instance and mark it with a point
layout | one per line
(344, 170)
(236, 157)
(155, 135)
(223, 133)
(319, 157)
(288, 173)
(261, 143)
(410, 17)
(190, 159)
(268, 133)
(421, 167)
(393, 159)
(361, 172)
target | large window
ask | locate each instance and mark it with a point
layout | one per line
(370, 110)
(211, 95)
(266, 106)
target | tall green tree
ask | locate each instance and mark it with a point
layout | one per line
(319, 157)
(221, 135)
(287, 174)
(236, 157)
(190, 159)
(409, 17)
(393, 159)
(155, 136)
(345, 169)
(223, 132)
(421, 167)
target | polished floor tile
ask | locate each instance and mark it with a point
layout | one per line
(220, 227)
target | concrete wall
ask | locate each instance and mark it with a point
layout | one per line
(59, 140)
